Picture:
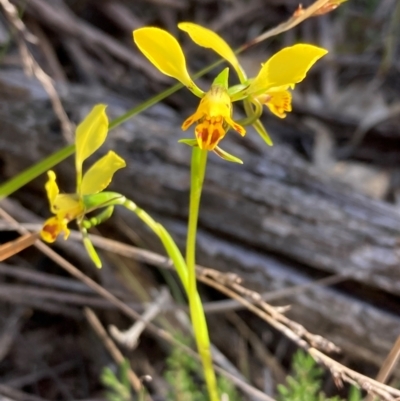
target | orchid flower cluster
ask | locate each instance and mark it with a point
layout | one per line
(213, 116)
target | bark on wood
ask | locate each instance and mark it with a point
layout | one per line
(275, 221)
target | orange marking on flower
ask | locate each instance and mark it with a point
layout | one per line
(215, 138)
(209, 132)
(52, 230)
(53, 227)
(278, 102)
(214, 117)
(238, 128)
(187, 123)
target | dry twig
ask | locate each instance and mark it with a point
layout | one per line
(308, 341)
(388, 365)
(130, 337)
(342, 373)
(293, 21)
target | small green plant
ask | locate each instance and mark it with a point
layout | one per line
(306, 381)
(119, 388)
(184, 376)
(225, 386)
(181, 377)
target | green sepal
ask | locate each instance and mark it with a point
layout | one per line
(226, 156)
(90, 249)
(258, 126)
(241, 95)
(222, 78)
(101, 217)
(190, 142)
(102, 199)
(235, 89)
(239, 92)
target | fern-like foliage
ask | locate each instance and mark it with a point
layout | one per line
(306, 381)
(183, 375)
(119, 388)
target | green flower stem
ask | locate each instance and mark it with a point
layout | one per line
(196, 307)
(253, 111)
(186, 270)
(197, 173)
(169, 244)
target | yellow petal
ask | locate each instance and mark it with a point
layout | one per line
(278, 102)
(61, 204)
(51, 189)
(100, 174)
(286, 68)
(193, 118)
(209, 39)
(237, 127)
(67, 205)
(164, 51)
(90, 134)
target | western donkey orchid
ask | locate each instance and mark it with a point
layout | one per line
(213, 116)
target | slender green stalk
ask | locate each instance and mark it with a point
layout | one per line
(187, 270)
(197, 173)
(169, 244)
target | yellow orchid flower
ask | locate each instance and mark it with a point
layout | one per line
(66, 207)
(214, 113)
(279, 101)
(213, 116)
(270, 87)
(90, 135)
(282, 71)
